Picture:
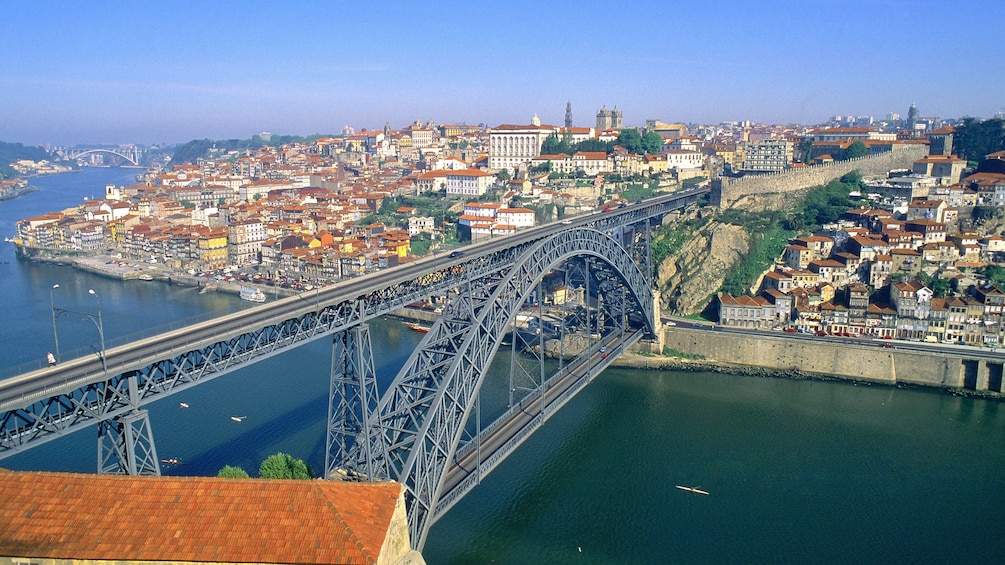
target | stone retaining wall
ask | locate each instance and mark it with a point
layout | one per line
(837, 359)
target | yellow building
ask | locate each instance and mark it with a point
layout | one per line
(212, 246)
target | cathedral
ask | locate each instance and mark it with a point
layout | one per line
(609, 119)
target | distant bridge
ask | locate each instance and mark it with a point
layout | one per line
(417, 431)
(132, 155)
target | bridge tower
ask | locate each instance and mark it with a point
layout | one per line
(126, 441)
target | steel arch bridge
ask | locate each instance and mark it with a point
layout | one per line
(411, 434)
(80, 154)
(415, 432)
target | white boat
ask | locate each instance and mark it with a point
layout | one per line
(692, 489)
(238, 418)
(183, 405)
(252, 294)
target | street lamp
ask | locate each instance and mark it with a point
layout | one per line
(52, 305)
(101, 329)
(96, 320)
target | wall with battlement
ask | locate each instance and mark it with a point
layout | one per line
(729, 192)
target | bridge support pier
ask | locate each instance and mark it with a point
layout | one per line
(352, 403)
(126, 445)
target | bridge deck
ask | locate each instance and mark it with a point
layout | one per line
(500, 438)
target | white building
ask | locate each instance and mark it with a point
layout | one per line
(417, 225)
(468, 182)
(770, 155)
(513, 145)
(487, 210)
(590, 162)
(516, 217)
(681, 159)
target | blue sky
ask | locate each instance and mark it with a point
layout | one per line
(168, 72)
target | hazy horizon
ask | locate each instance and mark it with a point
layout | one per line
(103, 72)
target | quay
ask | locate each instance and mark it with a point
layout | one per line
(136, 270)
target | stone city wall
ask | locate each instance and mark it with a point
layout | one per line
(729, 192)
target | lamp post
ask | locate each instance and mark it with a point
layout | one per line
(52, 306)
(96, 320)
(101, 329)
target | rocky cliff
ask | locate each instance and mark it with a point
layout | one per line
(688, 279)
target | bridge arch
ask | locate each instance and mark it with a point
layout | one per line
(116, 153)
(420, 418)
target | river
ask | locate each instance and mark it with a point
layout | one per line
(798, 471)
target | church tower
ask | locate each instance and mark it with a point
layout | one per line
(568, 114)
(603, 118)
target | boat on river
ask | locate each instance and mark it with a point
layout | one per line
(252, 294)
(695, 490)
(417, 327)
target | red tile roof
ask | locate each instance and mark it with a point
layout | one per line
(114, 517)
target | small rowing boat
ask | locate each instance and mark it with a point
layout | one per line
(417, 327)
(692, 489)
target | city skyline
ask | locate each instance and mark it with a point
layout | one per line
(105, 72)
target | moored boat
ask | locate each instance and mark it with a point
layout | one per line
(252, 294)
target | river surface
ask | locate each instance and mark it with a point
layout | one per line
(798, 471)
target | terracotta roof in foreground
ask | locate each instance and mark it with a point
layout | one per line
(115, 517)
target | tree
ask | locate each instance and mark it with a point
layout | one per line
(631, 140)
(855, 150)
(593, 145)
(503, 175)
(652, 142)
(542, 168)
(229, 472)
(806, 149)
(974, 139)
(284, 466)
(550, 144)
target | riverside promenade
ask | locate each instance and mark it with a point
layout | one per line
(135, 270)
